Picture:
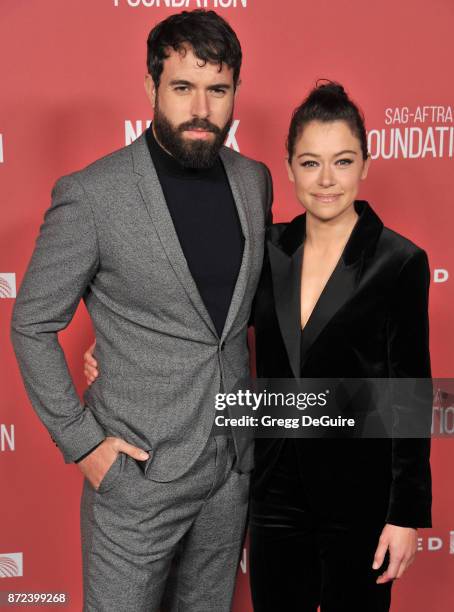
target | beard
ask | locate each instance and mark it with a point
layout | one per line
(198, 154)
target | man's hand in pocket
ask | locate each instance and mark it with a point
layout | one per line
(95, 465)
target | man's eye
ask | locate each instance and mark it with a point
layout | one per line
(218, 92)
(181, 88)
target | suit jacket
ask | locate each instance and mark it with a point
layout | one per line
(108, 239)
(371, 321)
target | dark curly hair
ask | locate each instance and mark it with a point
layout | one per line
(327, 102)
(209, 35)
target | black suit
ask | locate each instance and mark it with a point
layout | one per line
(371, 321)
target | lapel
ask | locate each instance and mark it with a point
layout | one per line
(285, 257)
(286, 278)
(153, 197)
(239, 195)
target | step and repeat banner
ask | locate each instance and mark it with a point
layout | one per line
(72, 91)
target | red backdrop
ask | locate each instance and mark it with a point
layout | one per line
(72, 91)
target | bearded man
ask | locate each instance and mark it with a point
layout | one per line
(163, 240)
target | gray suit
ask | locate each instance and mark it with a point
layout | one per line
(108, 238)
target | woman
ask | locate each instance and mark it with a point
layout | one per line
(333, 522)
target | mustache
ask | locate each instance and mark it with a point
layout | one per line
(201, 124)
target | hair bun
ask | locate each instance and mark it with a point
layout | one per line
(327, 102)
(326, 85)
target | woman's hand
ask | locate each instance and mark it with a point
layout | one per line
(90, 365)
(401, 542)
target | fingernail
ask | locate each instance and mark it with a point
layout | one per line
(143, 455)
(375, 566)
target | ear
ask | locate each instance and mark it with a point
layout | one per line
(365, 167)
(150, 89)
(288, 165)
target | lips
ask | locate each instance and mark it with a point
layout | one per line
(327, 197)
(198, 133)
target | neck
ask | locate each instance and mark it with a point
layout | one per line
(324, 235)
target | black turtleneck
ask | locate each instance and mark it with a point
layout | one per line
(206, 221)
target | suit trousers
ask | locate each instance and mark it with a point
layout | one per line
(302, 557)
(175, 546)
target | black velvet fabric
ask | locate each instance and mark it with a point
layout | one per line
(300, 559)
(371, 321)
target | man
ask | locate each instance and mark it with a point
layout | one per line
(163, 240)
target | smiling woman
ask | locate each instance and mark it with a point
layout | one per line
(333, 521)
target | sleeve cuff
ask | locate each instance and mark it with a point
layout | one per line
(80, 436)
(410, 515)
(88, 452)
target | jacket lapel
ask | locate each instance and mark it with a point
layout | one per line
(286, 260)
(337, 291)
(286, 277)
(153, 197)
(239, 196)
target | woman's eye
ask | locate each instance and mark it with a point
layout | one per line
(309, 164)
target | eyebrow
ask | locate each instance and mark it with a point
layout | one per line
(336, 154)
(189, 84)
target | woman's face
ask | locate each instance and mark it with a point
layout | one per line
(327, 167)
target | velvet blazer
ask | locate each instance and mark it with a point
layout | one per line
(371, 321)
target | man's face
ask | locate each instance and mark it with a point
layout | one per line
(193, 108)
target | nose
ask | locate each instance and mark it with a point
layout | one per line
(326, 178)
(200, 105)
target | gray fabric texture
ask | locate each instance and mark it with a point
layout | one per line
(168, 546)
(108, 239)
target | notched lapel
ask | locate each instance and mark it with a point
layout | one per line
(239, 196)
(153, 198)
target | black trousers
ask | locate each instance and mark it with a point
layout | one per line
(302, 557)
